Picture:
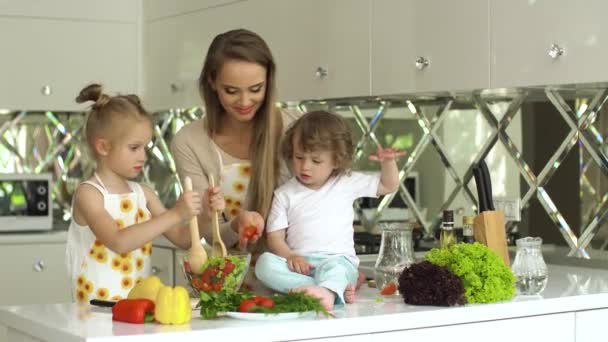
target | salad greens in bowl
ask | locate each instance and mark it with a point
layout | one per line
(218, 274)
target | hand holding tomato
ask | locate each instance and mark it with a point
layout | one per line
(250, 227)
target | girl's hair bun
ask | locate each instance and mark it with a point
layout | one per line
(93, 92)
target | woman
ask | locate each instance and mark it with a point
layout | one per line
(238, 139)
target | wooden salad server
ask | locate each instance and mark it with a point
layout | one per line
(197, 255)
(218, 247)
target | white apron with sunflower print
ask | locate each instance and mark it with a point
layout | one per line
(234, 182)
(96, 271)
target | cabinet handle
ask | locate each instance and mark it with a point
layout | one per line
(422, 63)
(155, 270)
(555, 51)
(46, 90)
(38, 266)
(175, 88)
(321, 73)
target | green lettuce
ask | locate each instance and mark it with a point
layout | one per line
(485, 277)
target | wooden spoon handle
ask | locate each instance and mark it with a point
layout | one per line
(194, 235)
(215, 224)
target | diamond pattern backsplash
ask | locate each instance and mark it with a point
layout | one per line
(445, 135)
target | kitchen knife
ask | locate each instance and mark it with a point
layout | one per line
(481, 196)
(102, 303)
(487, 184)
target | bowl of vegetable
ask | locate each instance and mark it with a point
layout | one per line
(218, 274)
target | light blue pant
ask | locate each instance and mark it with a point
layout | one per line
(331, 272)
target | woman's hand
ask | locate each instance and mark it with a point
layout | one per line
(213, 200)
(387, 154)
(299, 264)
(188, 205)
(250, 226)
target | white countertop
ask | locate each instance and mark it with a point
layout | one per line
(569, 289)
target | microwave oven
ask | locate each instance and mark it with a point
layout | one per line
(25, 202)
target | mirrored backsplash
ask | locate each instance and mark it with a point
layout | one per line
(545, 146)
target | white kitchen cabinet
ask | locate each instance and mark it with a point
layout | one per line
(429, 45)
(34, 274)
(524, 31)
(321, 47)
(175, 50)
(163, 264)
(46, 62)
(125, 11)
(157, 9)
(304, 36)
(590, 325)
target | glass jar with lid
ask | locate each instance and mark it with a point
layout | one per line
(396, 252)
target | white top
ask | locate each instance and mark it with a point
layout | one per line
(570, 289)
(96, 271)
(321, 221)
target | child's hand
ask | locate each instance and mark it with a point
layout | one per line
(188, 205)
(213, 200)
(299, 264)
(386, 154)
(251, 227)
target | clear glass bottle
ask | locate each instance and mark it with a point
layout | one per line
(448, 235)
(467, 229)
(396, 252)
(529, 267)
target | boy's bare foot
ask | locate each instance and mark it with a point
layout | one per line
(349, 294)
(326, 297)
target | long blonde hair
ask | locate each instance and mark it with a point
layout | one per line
(244, 45)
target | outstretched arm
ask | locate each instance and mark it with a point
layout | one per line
(389, 173)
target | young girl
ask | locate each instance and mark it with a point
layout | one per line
(310, 225)
(109, 238)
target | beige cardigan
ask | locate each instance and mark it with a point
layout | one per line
(195, 156)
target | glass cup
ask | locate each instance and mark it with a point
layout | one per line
(529, 267)
(396, 252)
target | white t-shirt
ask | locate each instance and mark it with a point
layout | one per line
(321, 221)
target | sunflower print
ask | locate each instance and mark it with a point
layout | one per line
(238, 186)
(245, 171)
(88, 287)
(126, 283)
(126, 205)
(82, 296)
(120, 223)
(138, 280)
(126, 268)
(102, 293)
(140, 216)
(147, 249)
(139, 263)
(116, 298)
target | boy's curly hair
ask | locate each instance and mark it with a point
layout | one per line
(321, 131)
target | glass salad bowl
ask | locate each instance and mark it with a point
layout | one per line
(217, 274)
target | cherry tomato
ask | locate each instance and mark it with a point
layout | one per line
(389, 289)
(246, 305)
(250, 232)
(263, 302)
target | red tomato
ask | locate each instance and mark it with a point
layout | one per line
(228, 267)
(250, 232)
(389, 289)
(246, 305)
(263, 302)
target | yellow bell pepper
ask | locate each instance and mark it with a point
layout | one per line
(147, 288)
(173, 306)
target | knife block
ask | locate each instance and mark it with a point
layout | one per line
(489, 229)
